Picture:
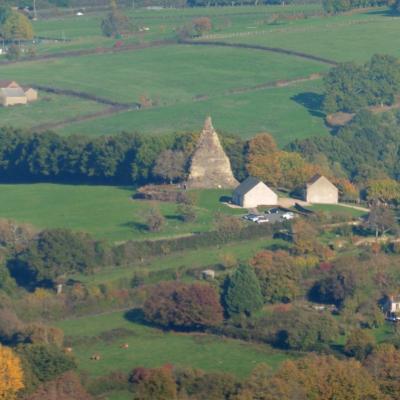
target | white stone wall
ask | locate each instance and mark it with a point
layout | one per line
(260, 195)
(322, 192)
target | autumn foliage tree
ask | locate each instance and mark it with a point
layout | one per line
(383, 364)
(275, 167)
(322, 378)
(115, 23)
(11, 374)
(278, 275)
(181, 306)
(153, 383)
(359, 344)
(16, 26)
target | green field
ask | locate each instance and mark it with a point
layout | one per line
(338, 210)
(183, 261)
(84, 31)
(49, 108)
(104, 211)
(242, 114)
(342, 38)
(151, 347)
(168, 75)
(186, 83)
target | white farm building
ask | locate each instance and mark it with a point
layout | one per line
(253, 193)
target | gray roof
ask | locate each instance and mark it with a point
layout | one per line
(248, 184)
(12, 92)
(314, 179)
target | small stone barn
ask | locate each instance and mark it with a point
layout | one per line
(31, 94)
(252, 193)
(320, 190)
(210, 167)
(12, 97)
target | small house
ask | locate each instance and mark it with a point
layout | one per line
(208, 274)
(31, 94)
(12, 97)
(320, 190)
(252, 193)
(392, 306)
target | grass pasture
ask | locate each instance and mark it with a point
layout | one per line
(84, 31)
(341, 38)
(48, 109)
(151, 347)
(106, 212)
(243, 114)
(168, 75)
(182, 261)
(186, 83)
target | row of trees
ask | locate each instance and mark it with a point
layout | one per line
(338, 6)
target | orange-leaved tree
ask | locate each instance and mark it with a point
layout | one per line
(11, 375)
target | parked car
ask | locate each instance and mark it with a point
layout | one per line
(288, 215)
(262, 220)
(251, 217)
(272, 211)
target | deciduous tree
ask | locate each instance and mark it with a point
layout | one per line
(182, 306)
(11, 374)
(359, 344)
(170, 165)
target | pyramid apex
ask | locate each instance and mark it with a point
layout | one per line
(208, 126)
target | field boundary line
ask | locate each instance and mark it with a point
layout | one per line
(278, 50)
(123, 107)
(97, 50)
(85, 96)
(86, 117)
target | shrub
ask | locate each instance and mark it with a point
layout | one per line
(359, 344)
(183, 306)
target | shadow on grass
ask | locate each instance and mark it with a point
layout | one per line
(173, 217)
(385, 13)
(312, 102)
(137, 226)
(225, 199)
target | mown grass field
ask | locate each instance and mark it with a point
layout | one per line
(106, 212)
(176, 77)
(84, 31)
(243, 114)
(168, 75)
(186, 83)
(342, 38)
(151, 347)
(48, 109)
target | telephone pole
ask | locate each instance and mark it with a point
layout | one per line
(34, 10)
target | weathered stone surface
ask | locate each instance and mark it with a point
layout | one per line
(210, 166)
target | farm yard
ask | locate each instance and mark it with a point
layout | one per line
(244, 97)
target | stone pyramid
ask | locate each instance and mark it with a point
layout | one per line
(210, 167)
